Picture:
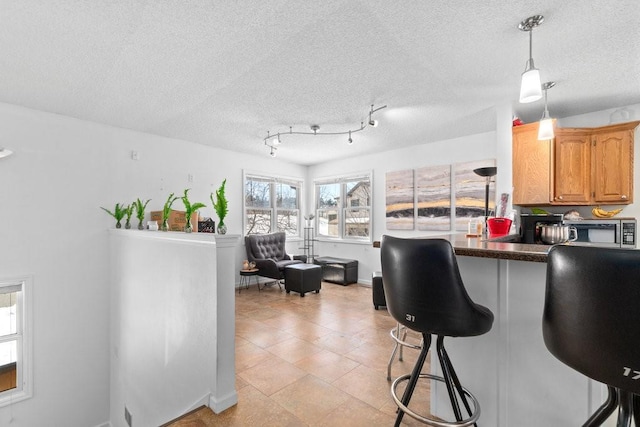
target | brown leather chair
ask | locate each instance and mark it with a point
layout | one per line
(269, 253)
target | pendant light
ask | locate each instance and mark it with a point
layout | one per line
(530, 90)
(545, 128)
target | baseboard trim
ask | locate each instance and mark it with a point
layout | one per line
(225, 402)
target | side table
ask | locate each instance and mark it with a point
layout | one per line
(245, 278)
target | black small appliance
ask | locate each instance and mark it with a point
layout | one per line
(529, 223)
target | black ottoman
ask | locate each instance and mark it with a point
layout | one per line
(378, 290)
(302, 278)
(338, 270)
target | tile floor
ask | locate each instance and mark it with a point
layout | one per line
(320, 360)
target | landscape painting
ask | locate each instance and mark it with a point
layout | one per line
(470, 192)
(433, 188)
(400, 200)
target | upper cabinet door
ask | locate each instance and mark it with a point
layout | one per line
(613, 166)
(531, 167)
(572, 167)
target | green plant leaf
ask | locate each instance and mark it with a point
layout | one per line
(140, 207)
(118, 212)
(166, 209)
(220, 204)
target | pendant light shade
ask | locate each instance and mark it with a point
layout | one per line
(530, 89)
(545, 128)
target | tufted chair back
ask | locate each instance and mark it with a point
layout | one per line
(268, 252)
(266, 246)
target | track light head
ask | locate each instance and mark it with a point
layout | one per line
(350, 141)
(273, 152)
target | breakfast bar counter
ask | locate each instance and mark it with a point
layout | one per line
(516, 380)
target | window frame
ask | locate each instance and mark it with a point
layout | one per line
(343, 207)
(273, 181)
(24, 339)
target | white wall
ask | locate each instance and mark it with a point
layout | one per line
(51, 226)
(164, 327)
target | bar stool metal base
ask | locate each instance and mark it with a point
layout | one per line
(450, 378)
(399, 335)
(431, 421)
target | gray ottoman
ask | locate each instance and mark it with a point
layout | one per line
(302, 278)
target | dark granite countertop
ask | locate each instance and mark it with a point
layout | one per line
(482, 248)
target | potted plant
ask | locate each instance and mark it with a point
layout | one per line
(190, 208)
(220, 206)
(166, 210)
(118, 213)
(128, 211)
(140, 207)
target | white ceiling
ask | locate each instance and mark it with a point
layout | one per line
(223, 73)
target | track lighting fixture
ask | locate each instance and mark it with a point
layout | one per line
(545, 128)
(373, 123)
(530, 89)
(5, 153)
(272, 141)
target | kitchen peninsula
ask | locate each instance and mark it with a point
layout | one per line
(516, 380)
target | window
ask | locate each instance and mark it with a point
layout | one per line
(15, 340)
(271, 204)
(343, 208)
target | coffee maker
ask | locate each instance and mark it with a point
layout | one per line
(529, 223)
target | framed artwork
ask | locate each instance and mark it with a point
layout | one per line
(470, 192)
(399, 199)
(433, 194)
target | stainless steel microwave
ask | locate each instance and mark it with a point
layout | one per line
(613, 233)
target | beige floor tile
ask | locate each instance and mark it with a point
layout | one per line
(255, 409)
(293, 349)
(366, 384)
(338, 342)
(272, 375)
(355, 413)
(249, 354)
(327, 365)
(310, 398)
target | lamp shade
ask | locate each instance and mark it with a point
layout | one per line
(530, 88)
(545, 129)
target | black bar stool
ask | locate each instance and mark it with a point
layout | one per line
(425, 293)
(591, 322)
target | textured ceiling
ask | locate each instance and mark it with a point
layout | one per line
(223, 73)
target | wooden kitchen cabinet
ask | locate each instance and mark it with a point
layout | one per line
(531, 166)
(612, 165)
(572, 167)
(581, 166)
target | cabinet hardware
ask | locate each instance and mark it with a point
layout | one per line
(623, 197)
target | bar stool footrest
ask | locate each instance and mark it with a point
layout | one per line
(473, 418)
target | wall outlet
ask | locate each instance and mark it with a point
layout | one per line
(127, 416)
(135, 155)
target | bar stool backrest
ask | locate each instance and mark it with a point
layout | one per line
(424, 290)
(591, 319)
